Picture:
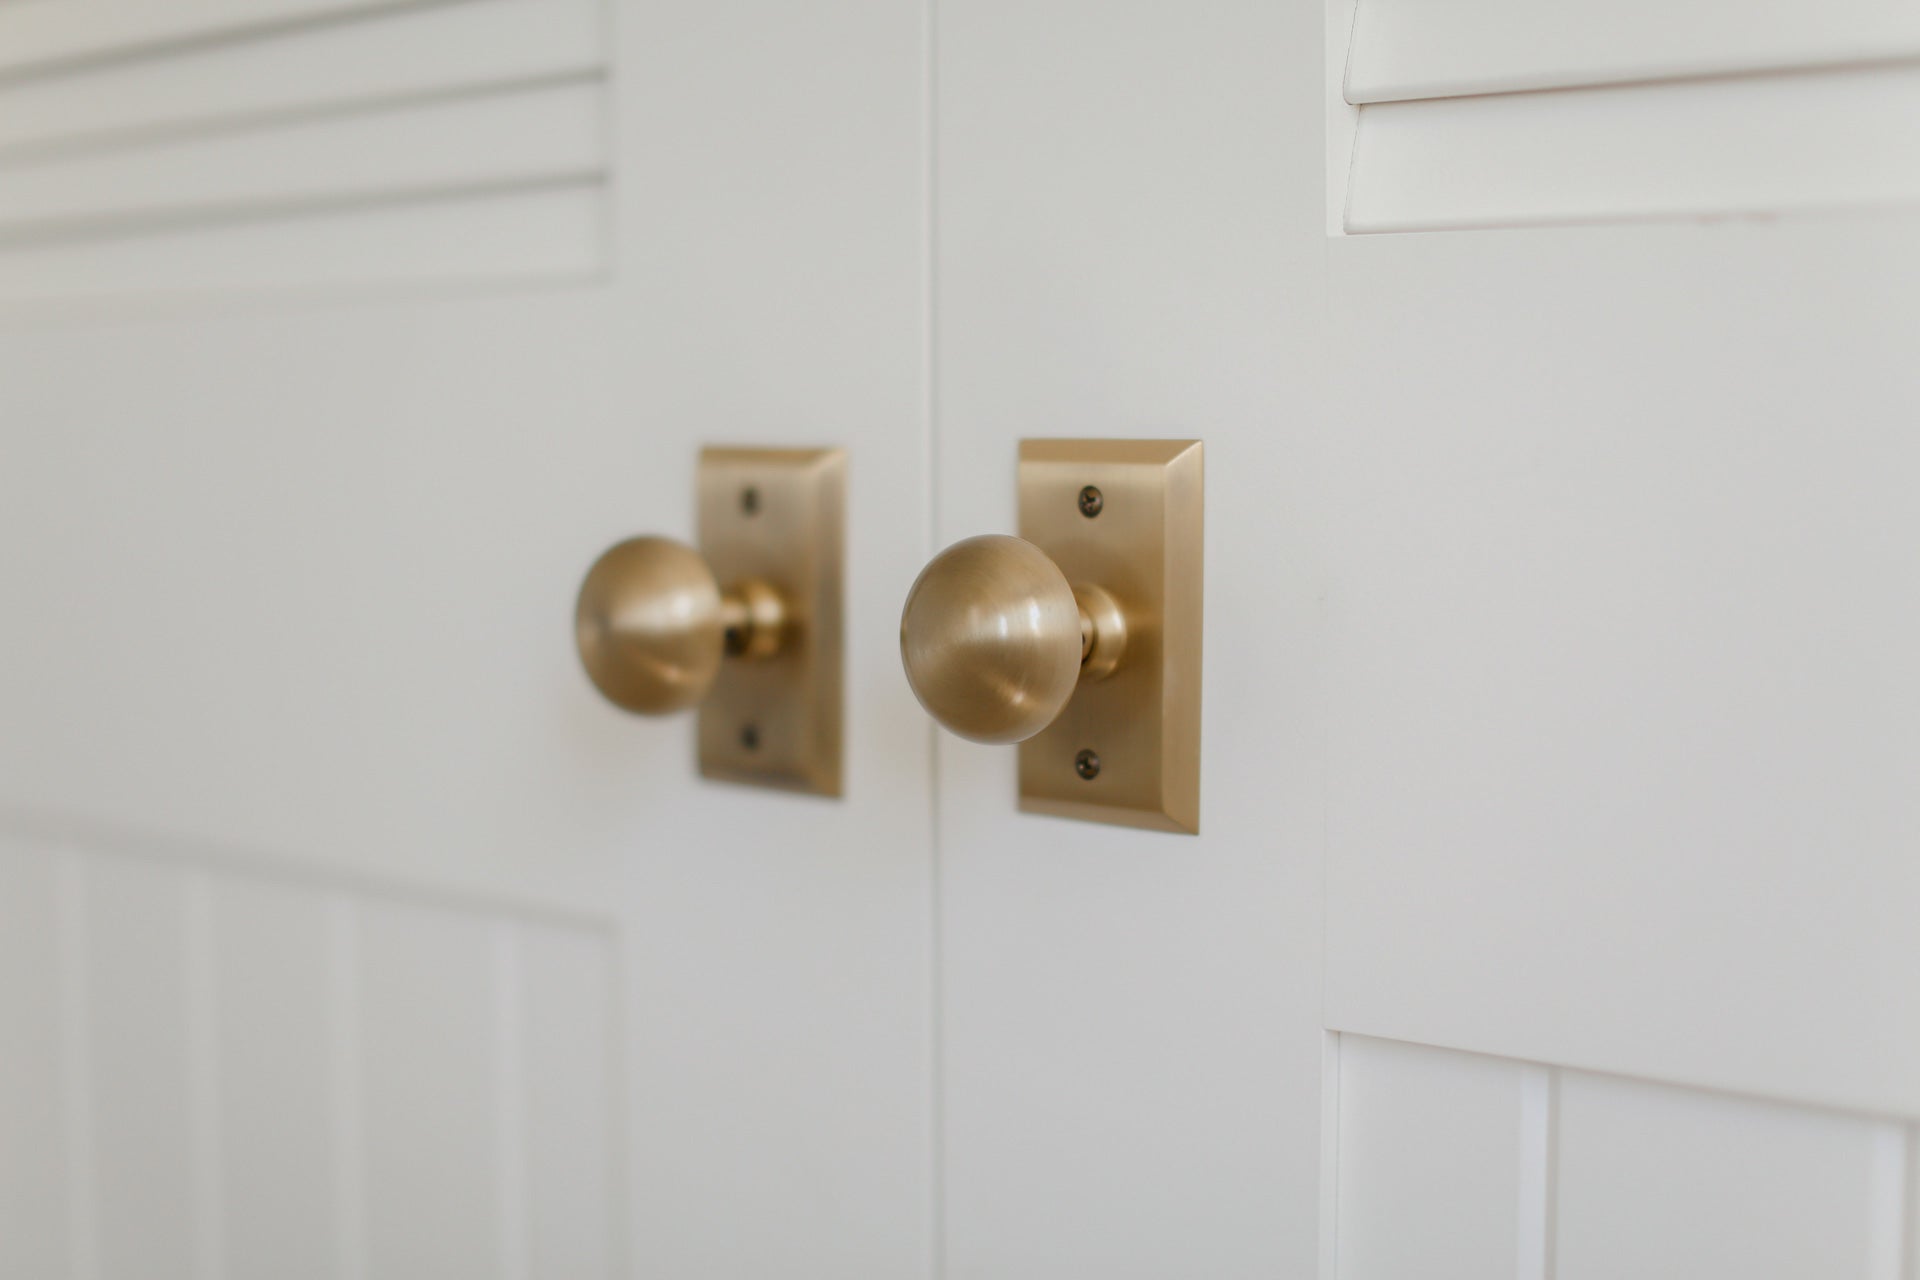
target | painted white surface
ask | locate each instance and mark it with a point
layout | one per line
(543, 136)
(1554, 621)
(36, 1157)
(378, 150)
(223, 1069)
(546, 236)
(258, 484)
(1128, 242)
(60, 31)
(138, 1024)
(568, 1014)
(1446, 1161)
(1435, 48)
(276, 1094)
(428, 1084)
(1625, 716)
(1830, 140)
(1669, 1183)
(1437, 1161)
(407, 55)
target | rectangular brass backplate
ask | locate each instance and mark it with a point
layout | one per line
(1142, 543)
(778, 515)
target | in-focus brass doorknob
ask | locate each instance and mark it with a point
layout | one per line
(653, 624)
(750, 626)
(1080, 639)
(995, 639)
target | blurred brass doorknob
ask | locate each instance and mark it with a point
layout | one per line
(995, 639)
(653, 624)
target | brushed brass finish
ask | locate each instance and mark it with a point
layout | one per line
(777, 518)
(1080, 639)
(1103, 631)
(991, 637)
(756, 620)
(1143, 548)
(762, 658)
(650, 625)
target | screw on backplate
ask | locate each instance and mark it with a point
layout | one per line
(750, 500)
(1090, 503)
(1087, 765)
(750, 737)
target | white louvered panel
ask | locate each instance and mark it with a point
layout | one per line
(1434, 48)
(439, 141)
(408, 53)
(548, 234)
(61, 31)
(544, 135)
(1815, 140)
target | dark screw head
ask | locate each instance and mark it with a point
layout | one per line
(1090, 503)
(1087, 765)
(750, 500)
(750, 737)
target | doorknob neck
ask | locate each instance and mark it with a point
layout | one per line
(1103, 631)
(754, 618)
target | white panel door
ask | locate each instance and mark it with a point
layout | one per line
(346, 931)
(1561, 702)
(1128, 243)
(1552, 909)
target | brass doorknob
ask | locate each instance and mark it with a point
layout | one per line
(995, 639)
(653, 624)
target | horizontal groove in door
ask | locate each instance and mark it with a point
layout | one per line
(540, 232)
(328, 144)
(1404, 49)
(404, 54)
(1811, 140)
(49, 34)
(526, 136)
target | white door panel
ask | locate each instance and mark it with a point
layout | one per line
(408, 53)
(1131, 1047)
(235, 1070)
(543, 136)
(1457, 1164)
(288, 587)
(1551, 914)
(1442, 1163)
(46, 35)
(1436, 48)
(1624, 714)
(1833, 141)
(35, 1155)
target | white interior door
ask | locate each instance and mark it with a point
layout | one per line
(1550, 914)
(347, 932)
(1622, 732)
